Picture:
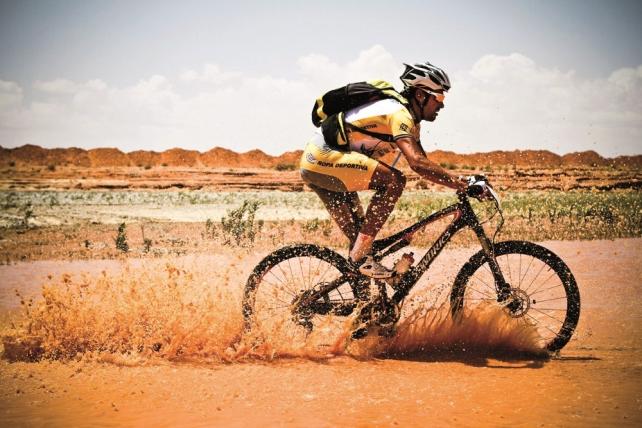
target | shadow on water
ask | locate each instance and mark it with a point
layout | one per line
(575, 358)
(491, 358)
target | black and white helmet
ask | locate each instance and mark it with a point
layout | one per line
(426, 76)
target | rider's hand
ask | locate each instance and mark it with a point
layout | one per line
(477, 186)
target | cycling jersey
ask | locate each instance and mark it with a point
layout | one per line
(341, 171)
(388, 118)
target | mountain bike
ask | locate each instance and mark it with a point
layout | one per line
(303, 284)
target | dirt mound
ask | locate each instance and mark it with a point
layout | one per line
(634, 162)
(257, 159)
(289, 157)
(179, 157)
(218, 157)
(144, 158)
(224, 158)
(106, 157)
(72, 156)
(28, 154)
(588, 158)
(539, 158)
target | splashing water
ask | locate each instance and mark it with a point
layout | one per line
(190, 310)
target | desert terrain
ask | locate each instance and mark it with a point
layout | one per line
(95, 245)
(34, 168)
(483, 379)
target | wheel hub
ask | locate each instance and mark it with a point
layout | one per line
(518, 303)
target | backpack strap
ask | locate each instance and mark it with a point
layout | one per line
(383, 137)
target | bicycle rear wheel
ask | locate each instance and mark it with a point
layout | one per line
(299, 285)
(544, 293)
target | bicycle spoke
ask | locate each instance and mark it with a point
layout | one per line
(546, 289)
(510, 276)
(537, 322)
(272, 308)
(483, 282)
(545, 281)
(302, 274)
(550, 300)
(550, 316)
(285, 275)
(286, 287)
(487, 295)
(324, 273)
(527, 270)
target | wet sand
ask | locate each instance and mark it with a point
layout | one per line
(595, 381)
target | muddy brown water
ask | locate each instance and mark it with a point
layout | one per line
(595, 381)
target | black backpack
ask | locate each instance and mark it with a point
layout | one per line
(329, 108)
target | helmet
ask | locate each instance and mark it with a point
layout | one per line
(426, 76)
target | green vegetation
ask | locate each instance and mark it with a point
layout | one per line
(548, 215)
(121, 239)
(239, 227)
(529, 215)
(448, 165)
(285, 167)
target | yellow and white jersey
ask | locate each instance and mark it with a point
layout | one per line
(387, 117)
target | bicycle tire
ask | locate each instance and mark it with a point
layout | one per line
(554, 338)
(310, 265)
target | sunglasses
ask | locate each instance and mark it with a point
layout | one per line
(439, 97)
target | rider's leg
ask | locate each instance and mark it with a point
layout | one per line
(345, 209)
(388, 184)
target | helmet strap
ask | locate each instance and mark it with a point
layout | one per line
(421, 104)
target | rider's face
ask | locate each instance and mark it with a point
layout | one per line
(431, 108)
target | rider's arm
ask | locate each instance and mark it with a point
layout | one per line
(419, 162)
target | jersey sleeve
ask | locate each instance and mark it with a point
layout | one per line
(402, 125)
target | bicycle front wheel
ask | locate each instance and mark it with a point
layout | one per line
(544, 293)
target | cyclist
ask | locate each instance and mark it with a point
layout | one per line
(337, 175)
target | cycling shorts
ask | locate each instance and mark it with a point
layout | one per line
(335, 170)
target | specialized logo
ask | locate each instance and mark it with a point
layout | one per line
(404, 127)
(432, 253)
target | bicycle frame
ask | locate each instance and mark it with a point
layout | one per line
(464, 216)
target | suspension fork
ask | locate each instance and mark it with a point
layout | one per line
(470, 218)
(501, 286)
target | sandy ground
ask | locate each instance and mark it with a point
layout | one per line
(595, 381)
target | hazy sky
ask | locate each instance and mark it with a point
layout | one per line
(560, 75)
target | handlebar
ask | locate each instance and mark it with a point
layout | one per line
(480, 188)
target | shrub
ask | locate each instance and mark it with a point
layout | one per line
(448, 165)
(210, 229)
(238, 225)
(285, 167)
(121, 239)
(311, 225)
